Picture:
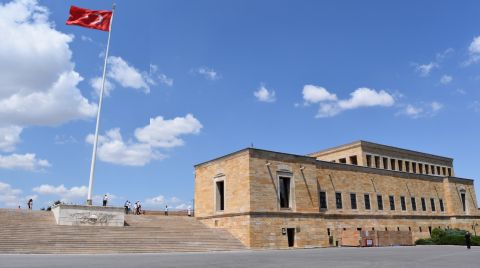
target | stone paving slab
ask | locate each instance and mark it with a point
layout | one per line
(418, 256)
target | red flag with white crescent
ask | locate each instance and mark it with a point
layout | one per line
(93, 19)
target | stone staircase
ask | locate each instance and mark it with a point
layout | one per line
(23, 231)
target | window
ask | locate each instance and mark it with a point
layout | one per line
(323, 200)
(338, 200)
(284, 183)
(220, 204)
(414, 203)
(400, 165)
(442, 208)
(353, 201)
(432, 203)
(438, 170)
(424, 206)
(392, 202)
(444, 171)
(402, 203)
(392, 164)
(342, 160)
(377, 161)
(353, 160)
(366, 199)
(464, 205)
(433, 169)
(379, 202)
(449, 170)
(407, 166)
(369, 160)
(414, 167)
(420, 168)
(385, 163)
(426, 169)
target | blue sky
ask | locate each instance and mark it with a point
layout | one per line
(193, 80)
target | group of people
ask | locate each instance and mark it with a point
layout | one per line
(136, 210)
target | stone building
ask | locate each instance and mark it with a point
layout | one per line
(278, 200)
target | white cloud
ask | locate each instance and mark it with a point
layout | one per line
(421, 110)
(182, 206)
(208, 73)
(165, 80)
(9, 196)
(164, 133)
(316, 94)
(36, 70)
(446, 79)
(128, 76)
(475, 106)
(424, 70)
(474, 51)
(264, 95)
(86, 39)
(96, 84)
(155, 201)
(23, 161)
(64, 139)
(65, 194)
(331, 106)
(112, 149)
(9, 137)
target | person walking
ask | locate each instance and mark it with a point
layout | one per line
(166, 210)
(105, 200)
(189, 211)
(126, 207)
(30, 204)
(468, 239)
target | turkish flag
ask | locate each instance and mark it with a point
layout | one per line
(93, 19)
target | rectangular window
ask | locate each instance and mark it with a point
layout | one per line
(379, 202)
(414, 167)
(353, 160)
(369, 160)
(444, 171)
(220, 185)
(392, 164)
(323, 200)
(432, 203)
(442, 208)
(402, 203)
(407, 166)
(353, 201)
(449, 170)
(392, 202)
(385, 163)
(433, 169)
(424, 206)
(420, 168)
(427, 171)
(338, 200)
(342, 160)
(377, 161)
(284, 192)
(464, 205)
(438, 170)
(366, 199)
(414, 203)
(400, 165)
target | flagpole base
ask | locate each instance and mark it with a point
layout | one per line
(89, 202)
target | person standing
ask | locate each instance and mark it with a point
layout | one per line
(126, 207)
(166, 210)
(189, 211)
(30, 204)
(468, 239)
(105, 200)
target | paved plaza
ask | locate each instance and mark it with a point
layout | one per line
(419, 256)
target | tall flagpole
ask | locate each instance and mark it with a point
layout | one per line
(94, 153)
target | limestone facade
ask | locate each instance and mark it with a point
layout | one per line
(267, 199)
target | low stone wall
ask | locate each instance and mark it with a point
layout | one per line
(88, 215)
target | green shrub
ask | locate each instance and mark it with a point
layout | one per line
(448, 237)
(424, 242)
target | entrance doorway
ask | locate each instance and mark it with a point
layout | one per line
(291, 237)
